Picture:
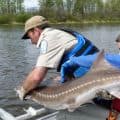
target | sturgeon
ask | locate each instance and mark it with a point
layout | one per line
(72, 94)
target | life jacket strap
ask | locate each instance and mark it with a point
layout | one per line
(83, 47)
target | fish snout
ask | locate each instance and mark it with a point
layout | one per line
(20, 92)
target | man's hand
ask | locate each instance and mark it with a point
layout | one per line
(21, 92)
(31, 81)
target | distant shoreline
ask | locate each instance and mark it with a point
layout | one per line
(19, 19)
(89, 22)
(70, 22)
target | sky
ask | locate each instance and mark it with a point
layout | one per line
(33, 3)
(30, 3)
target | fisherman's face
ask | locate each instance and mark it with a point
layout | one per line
(34, 35)
(118, 44)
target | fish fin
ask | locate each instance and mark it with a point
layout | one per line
(72, 105)
(101, 63)
(115, 92)
(71, 109)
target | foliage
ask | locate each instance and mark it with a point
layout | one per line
(11, 6)
(64, 10)
(22, 17)
(5, 19)
(112, 9)
(61, 10)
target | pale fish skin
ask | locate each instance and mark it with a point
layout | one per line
(72, 94)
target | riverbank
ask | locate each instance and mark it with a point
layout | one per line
(88, 22)
(72, 23)
(21, 18)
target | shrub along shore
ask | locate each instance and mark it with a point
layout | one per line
(20, 19)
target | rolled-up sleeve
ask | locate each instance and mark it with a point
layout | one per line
(58, 43)
(50, 59)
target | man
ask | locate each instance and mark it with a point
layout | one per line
(86, 62)
(56, 46)
(115, 105)
(118, 42)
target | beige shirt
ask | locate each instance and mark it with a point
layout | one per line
(53, 43)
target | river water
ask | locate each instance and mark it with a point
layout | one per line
(17, 57)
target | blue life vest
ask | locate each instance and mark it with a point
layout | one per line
(83, 47)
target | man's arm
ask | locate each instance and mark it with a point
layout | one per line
(32, 80)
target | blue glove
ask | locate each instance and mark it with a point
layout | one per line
(113, 59)
(79, 72)
(78, 66)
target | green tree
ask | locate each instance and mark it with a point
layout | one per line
(83, 8)
(11, 6)
(60, 12)
(112, 8)
(19, 6)
(79, 7)
(69, 6)
(46, 7)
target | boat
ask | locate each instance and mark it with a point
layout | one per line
(31, 113)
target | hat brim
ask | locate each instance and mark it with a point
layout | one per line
(25, 36)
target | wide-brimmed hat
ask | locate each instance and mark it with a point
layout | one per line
(33, 22)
